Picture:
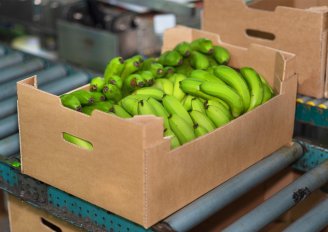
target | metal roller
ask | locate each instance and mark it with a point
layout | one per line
(66, 84)
(2, 51)
(10, 145)
(8, 107)
(282, 201)
(215, 200)
(8, 89)
(13, 72)
(314, 220)
(8, 126)
(11, 59)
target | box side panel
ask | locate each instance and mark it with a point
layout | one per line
(284, 25)
(24, 217)
(110, 176)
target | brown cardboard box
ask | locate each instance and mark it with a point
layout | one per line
(296, 26)
(25, 218)
(132, 171)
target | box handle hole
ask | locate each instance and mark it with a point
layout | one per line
(50, 225)
(76, 141)
(260, 34)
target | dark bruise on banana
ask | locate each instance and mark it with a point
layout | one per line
(192, 87)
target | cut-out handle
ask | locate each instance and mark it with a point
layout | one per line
(260, 34)
(81, 143)
(50, 225)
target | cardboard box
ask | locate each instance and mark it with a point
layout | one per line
(25, 218)
(298, 26)
(132, 171)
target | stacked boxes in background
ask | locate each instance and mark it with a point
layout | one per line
(132, 164)
(299, 27)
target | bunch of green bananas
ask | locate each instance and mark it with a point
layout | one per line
(191, 87)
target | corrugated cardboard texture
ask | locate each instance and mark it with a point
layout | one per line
(25, 218)
(132, 171)
(299, 31)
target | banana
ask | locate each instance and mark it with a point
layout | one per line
(148, 77)
(199, 60)
(71, 102)
(112, 92)
(202, 45)
(173, 106)
(197, 104)
(177, 92)
(147, 63)
(192, 87)
(130, 105)
(255, 86)
(88, 110)
(267, 90)
(114, 67)
(85, 97)
(186, 102)
(165, 85)
(138, 58)
(157, 70)
(130, 66)
(97, 84)
(202, 120)
(210, 69)
(204, 76)
(151, 92)
(174, 140)
(132, 82)
(183, 130)
(199, 130)
(98, 97)
(116, 80)
(184, 48)
(219, 103)
(120, 111)
(217, 116)
(226, 94)
(234, 80)
(77, 141)
(105, 106)
(170, 58)
(160, 111)
(145, 108)
(185, 68)
(169, 71)
(221, 55)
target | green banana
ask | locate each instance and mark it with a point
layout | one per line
(204, 76)
(98, 97)
(170, 58)
(165, 85)
(185, 68)
(130, 66)
(114, 67)
(202, 120)
(186, 102)
(226, 94)
(212, 61)
(234, 80)
(210, 69)
(192, 86)
(157, 70)
(160, 111)
(202, 45)
(199, 60)
(174, 140)
(216, 116)
(147, 63)
(77, 141)
(130, 105)
(197, 104)
(88, 109)
(148, 77)
(184, 48)
(112, 92)
(71, 102)
(132, 82)
(177, 92)
(219, 103)
(84, 96)
(255, 86)
(105, 106)
(97, 84)
(138, 58)
(169, 71)
(221, 55)
(120, 111)
(145, 108)
(173, 106)
(151, 92)
(268, 92)
(199, 130)
(116, 80)
(183, 130)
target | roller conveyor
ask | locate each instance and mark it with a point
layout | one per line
(8, 126)
(11, 59)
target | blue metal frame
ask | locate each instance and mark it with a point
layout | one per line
(312, 115)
